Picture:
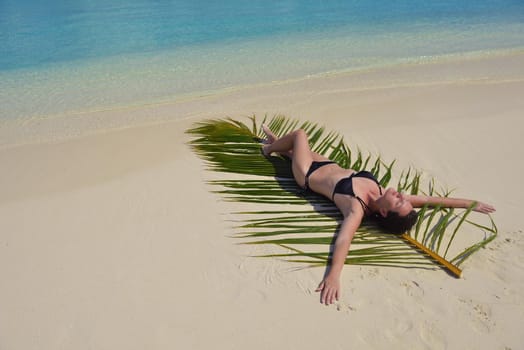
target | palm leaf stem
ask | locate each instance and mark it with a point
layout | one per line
(450, 267)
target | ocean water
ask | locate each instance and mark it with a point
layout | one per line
(61, 57)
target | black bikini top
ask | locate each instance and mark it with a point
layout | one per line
(345, 186)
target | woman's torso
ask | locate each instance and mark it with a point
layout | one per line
(324, 180)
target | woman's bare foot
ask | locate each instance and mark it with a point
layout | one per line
(269, 134)
(270, 139)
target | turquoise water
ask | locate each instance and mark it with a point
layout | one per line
(69, 56)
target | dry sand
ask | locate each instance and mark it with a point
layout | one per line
(111, 239)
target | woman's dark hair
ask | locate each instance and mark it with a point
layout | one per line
(394, 223)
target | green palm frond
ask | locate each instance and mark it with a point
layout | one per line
(306, 234)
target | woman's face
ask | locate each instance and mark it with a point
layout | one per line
(396, 202)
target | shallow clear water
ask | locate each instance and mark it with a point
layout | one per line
(65, 56)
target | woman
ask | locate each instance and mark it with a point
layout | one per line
(356, 194)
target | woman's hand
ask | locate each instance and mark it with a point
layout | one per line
(484, 208)
(329, 289)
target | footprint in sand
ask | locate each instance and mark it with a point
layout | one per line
(481, 316)
(482, 313)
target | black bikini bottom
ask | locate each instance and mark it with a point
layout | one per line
(312, 168)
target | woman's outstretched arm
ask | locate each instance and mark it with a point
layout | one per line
(329, 288)
(419, 201)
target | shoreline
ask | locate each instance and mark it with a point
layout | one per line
(470, 68)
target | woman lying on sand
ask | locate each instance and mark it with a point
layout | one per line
(356, 194)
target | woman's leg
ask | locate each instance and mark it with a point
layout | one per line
(295, 144)
(272, 138)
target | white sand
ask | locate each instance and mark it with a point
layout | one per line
(110, 238)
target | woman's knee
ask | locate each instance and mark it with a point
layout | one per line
(300, 141)
(300, 135)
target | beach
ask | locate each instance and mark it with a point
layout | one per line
(111, 236)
